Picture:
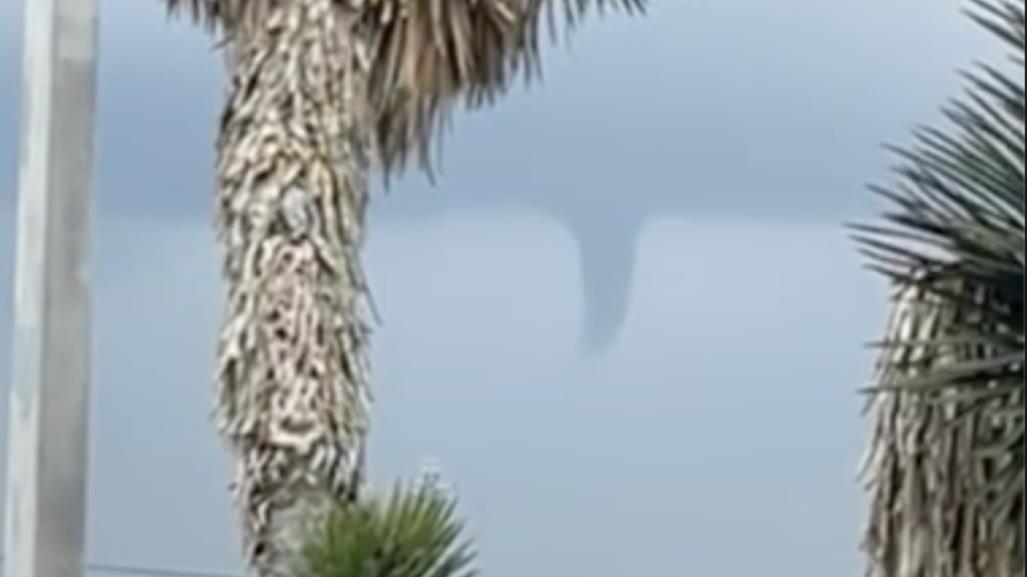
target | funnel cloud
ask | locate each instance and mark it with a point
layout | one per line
(607, 253)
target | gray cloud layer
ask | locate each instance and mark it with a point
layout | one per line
(759, 109)
(704, 109)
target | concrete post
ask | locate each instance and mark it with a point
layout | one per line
(48, 433)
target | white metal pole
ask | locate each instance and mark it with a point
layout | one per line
(48, 426)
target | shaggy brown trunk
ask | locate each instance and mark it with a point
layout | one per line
(922, 476)
(292, 163)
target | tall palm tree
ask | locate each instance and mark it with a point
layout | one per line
(946, 461)
(319, 90)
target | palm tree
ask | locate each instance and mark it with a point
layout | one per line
(411, 533)
(319, 90)
(945, 468)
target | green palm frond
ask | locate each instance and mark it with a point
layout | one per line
(429, 56)
(947, 457)
(412, 533)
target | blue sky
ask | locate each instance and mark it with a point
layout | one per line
(718, 438)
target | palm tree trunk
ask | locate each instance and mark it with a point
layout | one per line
(920, 470)
(293, 374)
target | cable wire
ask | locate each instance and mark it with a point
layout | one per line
(117, 569)
(144, 571)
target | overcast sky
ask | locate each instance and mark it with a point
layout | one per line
(718, 438)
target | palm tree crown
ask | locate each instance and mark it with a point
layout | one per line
(427, 56)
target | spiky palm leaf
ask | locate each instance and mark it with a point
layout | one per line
(946, 466)
(412, 533)
(428, 56)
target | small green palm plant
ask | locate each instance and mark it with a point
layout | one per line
(412, 532)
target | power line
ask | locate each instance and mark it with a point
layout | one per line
(144, 571)
(116, 569)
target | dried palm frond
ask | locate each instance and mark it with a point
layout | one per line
(215, 14)
(946, 464)
(432, 55)
(429, 56)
